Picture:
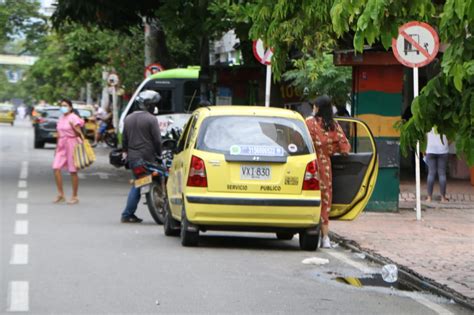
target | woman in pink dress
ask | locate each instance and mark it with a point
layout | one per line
(328, 138)
(69, 130)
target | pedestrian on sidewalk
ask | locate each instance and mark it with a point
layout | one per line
(328, 138)
(69, 132)
(141, 145)
(437, 150)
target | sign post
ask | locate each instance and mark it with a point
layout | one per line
(416, 46)
(264, 56)
(152, 69)
(113, 81)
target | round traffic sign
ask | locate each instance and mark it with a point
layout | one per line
(152, 69)
(113, 79)
(263, 54)
(416, 45)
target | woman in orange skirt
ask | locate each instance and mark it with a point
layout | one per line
(328, 138)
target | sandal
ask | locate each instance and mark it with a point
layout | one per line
(59, 199)
(73, 201)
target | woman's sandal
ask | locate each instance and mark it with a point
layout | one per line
(73, 201)
(59, 199)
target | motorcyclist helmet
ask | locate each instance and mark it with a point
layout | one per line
(148, 100)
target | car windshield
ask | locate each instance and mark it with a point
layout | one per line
(51, 113)
(84, 113)
(6, 108)
(253, 135)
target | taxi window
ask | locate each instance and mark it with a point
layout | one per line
(184, 135)
(288, 136)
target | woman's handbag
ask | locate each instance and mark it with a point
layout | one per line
(84, 155)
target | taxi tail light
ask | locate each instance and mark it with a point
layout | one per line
(197, 173)
(311, 176)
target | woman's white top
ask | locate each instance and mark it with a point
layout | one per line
(435, 145)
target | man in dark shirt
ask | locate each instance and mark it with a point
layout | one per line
(141, 143)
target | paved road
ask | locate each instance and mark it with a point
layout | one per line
(80, 260)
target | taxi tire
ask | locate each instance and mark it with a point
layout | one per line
(284, 236)
(188, 238)
(309, 242)
(170, 224)
(39, 144)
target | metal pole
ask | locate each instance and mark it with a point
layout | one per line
(114, 108)
(417, 157)
(268, 86)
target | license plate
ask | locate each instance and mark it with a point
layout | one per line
(255, 172)
(142, 181)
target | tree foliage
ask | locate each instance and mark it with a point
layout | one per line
(21, 19)
(320, 76)
(317, 27)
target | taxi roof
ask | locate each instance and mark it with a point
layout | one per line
(226, 110)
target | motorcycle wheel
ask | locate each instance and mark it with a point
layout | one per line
(155, 200)
(111, 140)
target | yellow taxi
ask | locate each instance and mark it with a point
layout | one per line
(248, 168)
(7, 113)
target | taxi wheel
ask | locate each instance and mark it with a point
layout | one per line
(170, 225)
(284, 236)
(188, 238)
(308, 241)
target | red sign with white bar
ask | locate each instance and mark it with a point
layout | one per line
(417, 44)
(262, 54)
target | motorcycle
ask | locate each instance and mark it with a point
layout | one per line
(151, 178)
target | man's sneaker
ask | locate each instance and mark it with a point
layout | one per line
(326, 242)
(132, 219)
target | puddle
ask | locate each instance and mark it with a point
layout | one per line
(374, 280)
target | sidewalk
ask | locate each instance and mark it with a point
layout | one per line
(440, 247)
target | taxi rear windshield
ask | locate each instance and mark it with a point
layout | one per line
(253, 134)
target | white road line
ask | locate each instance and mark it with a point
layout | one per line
(23, 194)
(438, 309)
(18, 296)
(21, 227)
(24, 172)
(348, 261)
(24, 164)
(22, 184)
(22, 208)
(19, 254)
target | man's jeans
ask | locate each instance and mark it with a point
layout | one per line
(133, 196)
(132, 202)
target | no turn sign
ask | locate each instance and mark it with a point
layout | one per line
(263, 54)
(416, 45)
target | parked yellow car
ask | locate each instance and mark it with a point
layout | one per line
(248, 168)
(7, 114)
(87, 112)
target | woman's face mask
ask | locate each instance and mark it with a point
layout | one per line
(64, 109)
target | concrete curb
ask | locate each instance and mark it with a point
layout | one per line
(420, 282)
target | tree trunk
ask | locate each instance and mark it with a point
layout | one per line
(156, 49)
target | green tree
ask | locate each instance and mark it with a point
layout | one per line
(317, 27)
(320, 76)
(21, 19)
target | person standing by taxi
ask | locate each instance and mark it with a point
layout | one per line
(328, 139)
(69, 134)
(141, 144)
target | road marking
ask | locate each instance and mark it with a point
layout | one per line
(22, 184)
(348, 261)
(24, 170)
(22, 208)
(23, 194)
(21, 227)
(81, 176)
(19, 254)
(18, 300)
(431, 305)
